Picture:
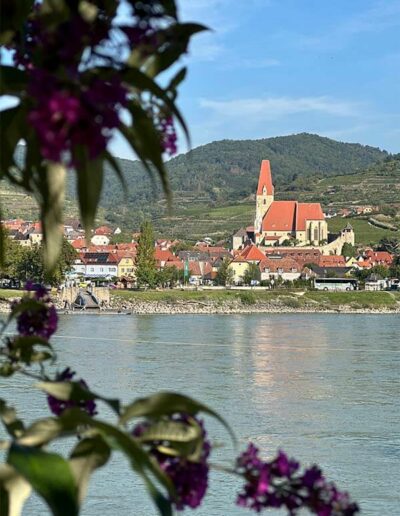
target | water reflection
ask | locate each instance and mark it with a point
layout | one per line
(324, 387)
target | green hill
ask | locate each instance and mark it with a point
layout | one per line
(213, 185)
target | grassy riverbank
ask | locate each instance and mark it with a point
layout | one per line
(312, 300)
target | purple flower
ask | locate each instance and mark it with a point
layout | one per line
(58, 406)
(277, 483)
(63, 119)
(168, 135)
(41, 319)
(189, 478)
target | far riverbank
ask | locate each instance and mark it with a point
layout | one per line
(249, 301)
(233, 302)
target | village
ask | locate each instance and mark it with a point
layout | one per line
(288, 245)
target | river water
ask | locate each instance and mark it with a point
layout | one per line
(323, 387)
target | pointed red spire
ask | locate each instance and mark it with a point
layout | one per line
(265, 178)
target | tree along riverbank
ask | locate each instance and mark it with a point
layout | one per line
(231, 301)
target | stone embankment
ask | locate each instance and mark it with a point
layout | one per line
(237, 307)
(283, 304)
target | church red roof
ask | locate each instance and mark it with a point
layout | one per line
(308, 211)
(265, 178)
(291, 216)
(281, 216)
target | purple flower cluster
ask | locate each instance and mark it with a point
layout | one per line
(168, 135)
(279, 484)
(58, 406)
(63, 119)
(41, 319)
(189, 478)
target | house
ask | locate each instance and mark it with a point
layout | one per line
(97, 265)
(278, 266)
(301, 256)
(239, 239)
(100, 239)
(240, 264)
(126, 265)
(35, 233)
(379, 258)
(162, 256)
(103, 230)
(277, 221)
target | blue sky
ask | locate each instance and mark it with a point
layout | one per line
(276, 67)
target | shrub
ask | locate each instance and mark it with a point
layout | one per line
(247, 298)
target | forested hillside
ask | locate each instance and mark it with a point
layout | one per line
(214, 185)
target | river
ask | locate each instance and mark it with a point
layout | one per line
(323, 387)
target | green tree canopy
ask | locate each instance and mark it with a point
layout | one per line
(145, 261)
(225, 273)
(252, 273)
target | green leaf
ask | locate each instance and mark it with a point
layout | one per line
(23, 349)
(52, 193)
(168, 403)
(176, 438)
(13, 425)
(13, 119)
(90, 182)
(140, 461)
(74, 391)
(145, 141)
(177, 40)
(177, 79)
(89, 454)
(139, 80)
(12, 80)
(172, 431)
(49, 475)
(42, 432)
(14, 490)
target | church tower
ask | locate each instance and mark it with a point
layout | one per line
(264, 195)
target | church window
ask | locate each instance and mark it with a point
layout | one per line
(316, 234)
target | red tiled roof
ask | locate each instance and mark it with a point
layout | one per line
(379, 256)
(284, 263)
(103, 230)
(280, 216)
(250, 253)
(291, 216)
(308, 211)
(301, 256)
(265, 178)
(175, 263)
(163, 255)
(332, 261)
(80, 243)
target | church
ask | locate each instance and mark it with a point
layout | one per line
(277, 222)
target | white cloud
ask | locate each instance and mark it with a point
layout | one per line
(269, 108)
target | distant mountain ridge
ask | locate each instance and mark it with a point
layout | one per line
(225, 173)
(227, 170)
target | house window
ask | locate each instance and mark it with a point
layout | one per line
(280, 271)
(265, 201)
